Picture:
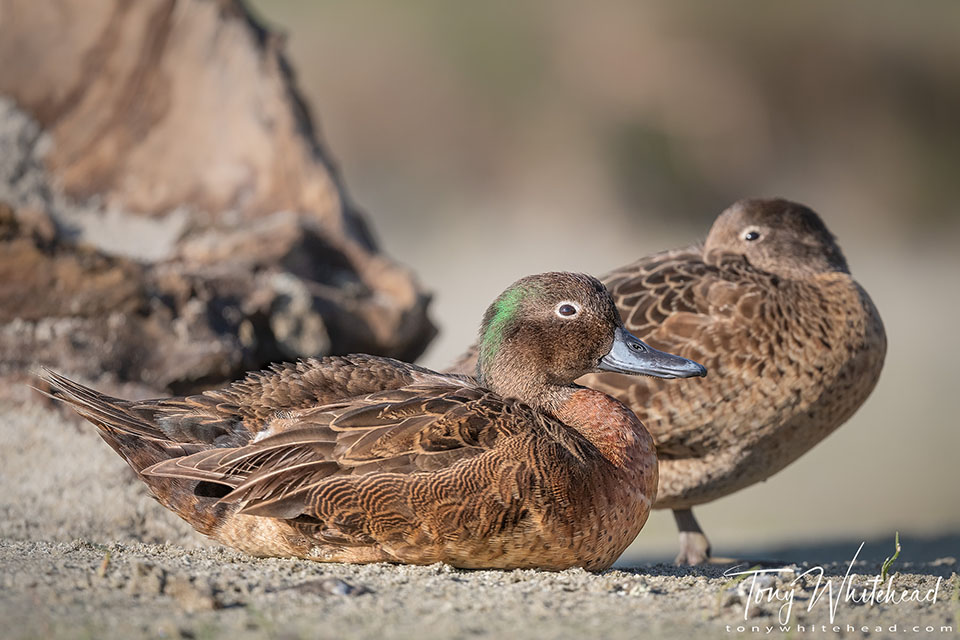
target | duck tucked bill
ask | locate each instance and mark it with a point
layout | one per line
(367, 459)
(793, 343)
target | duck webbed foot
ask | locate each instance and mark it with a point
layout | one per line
(694, 546)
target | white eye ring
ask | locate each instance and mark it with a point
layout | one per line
(567, 315)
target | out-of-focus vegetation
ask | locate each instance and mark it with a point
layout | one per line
(640, 109)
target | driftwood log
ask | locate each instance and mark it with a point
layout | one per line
(168, 215)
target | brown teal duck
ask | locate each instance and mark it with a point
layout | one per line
(367, 459)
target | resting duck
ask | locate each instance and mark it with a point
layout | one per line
(367, 459)
(794, 346)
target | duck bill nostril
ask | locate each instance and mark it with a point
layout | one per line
(630, 355)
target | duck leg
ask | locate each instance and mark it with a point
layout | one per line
(694, 546)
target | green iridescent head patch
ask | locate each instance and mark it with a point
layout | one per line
(499, 317)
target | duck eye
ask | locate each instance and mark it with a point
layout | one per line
(751, 235)
(566, 310)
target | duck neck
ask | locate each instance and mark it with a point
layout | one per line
(514, 373)
(510, 378)
(509, 375)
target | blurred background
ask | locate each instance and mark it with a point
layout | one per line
(486, 141)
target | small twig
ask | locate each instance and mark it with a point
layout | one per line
(102, 571)
(885, 569)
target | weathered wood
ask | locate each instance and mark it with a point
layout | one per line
(166, 139)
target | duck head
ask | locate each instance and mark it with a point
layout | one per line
(777, 236)
(547, 330)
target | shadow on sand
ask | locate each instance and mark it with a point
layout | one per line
(936, 556)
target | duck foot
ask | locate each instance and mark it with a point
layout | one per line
(694, 549)
(694, 546)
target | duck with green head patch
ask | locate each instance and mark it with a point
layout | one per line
(367, 459)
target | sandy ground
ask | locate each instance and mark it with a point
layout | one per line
(85, 553)
(85, 590)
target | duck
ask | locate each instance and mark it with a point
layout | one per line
(793, 342)
(362, 459)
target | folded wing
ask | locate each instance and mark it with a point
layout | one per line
(401, 432)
